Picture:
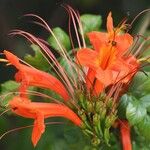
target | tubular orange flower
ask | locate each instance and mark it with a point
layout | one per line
(107, 63)
(39, 111)
(29, 76)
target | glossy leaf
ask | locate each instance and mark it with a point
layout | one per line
(140, 85)
(135, 112)
(62, 37)
(123, 103)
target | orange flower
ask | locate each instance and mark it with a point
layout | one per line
(114, 37)
(39, 111)
(107, 62)
(29, 76)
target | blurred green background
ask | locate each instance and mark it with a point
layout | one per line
(11, 12)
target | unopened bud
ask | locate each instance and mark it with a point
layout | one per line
(98, 106)
(96, 119)
(95, 141)
(89, 106)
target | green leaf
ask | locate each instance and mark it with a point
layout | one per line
(38, 60)
(135, 112)
(123, 103)
(140, 85)
(68, 67)
(145, 101)
(6, 91)
(144, 127)
(62, 37)
(91, 22)
(9, 86)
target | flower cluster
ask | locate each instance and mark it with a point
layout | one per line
(89, 97)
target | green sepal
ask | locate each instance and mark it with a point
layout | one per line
(107, 136)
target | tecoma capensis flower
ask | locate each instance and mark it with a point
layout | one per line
(39, 111)
(99, 76)
(108, 63)
(114, 37)
(29, 76)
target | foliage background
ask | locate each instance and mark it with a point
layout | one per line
(11, 12)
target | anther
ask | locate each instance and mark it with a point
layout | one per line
(114, 43)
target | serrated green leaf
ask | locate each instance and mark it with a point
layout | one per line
(38, 60)
(91, 22)
(62, 37)
(135, 112)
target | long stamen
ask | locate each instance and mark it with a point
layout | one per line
(52, 57)
(77, 16)
(45, 25)
(29, 92)
(146, 10)
(24, 127)
(141, 46)
(4, 112)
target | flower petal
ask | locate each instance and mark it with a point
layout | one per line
(104, 76)
(38, 129)
(88, 57)
(97, 39)
(124, 41)
(33, 77)
(90, 78)
(39, 111)
(96, 87)
(109, 23)
(14, 60)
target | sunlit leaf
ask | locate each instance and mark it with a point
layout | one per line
(135, 112)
